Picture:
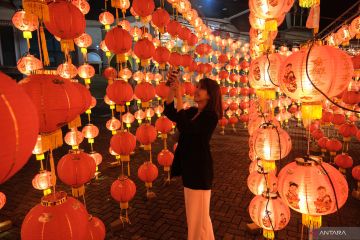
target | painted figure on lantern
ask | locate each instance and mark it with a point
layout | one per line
(293, 195)
(323, 202)
(290, 79)
(45, 217)
(266, 219)
(257, 73)
(283, 220)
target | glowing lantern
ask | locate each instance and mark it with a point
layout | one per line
(145, 92)
(119, 42)
(173, 28)
(325, 65)
(28, 64)
(269, 212)
(128, 118)
(260, 181)
(106, 19)
(123, 189)
(67, 70)
(304, 187)
(82, 5)
(2, 200)
(343, 161)
(110, 73)
(56, 217)
(355, 172)
(75, 169)
(74, 138)
(96, 157)
(161, 56)
(147, 173)
(113, 124)
(86, 71)
(347, 130)
(333, 145)
(96, 228)
(139, 115)
(121, 4)
(203, 49)
(125, 74)
(104, 48)
(123, 143)
(42, 180)
(90, 131)
(136, 33)
(83, 41)
(163, 125)
(146, 134)
(26, 22)
(160, 19)
(143, 8)
(165, 159)
(162, 90)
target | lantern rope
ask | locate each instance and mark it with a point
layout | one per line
(319, 90)
(268, 72)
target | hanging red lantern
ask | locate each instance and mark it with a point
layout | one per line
(173, 28)
(74, 138)
(106, 19)
(123, 143)
(184, 34)
(333, 145)
(143, 8)
(189, 88)
(338, 119)
(56, 217)
(192, 40)
(165, 159)
(2, 200)
(204, 68)
(113, 124)
(203, 49)
(305, 188)
(160, 19)
(86, 71)
(82, 5)
(110, 73)
(223, 59)
(162, 90)
(175, 59)
(269, 212)
(347, 130)
(42, 180)
(119, 42)
(90, 131)
(327, 117)
(343, 161)
(144, 49)
(145, 92)
(317, 134)
(28, 64)
(96, 229)
(123, 189)
(83, 41)
(25, 22)
(146, 134)
(147, 173)
(19, 127)
(223, 74)
(120, 92)
(163, 125)
(75, 169)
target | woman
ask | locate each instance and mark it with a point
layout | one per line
(193, 161)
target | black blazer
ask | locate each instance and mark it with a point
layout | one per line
(192, 159)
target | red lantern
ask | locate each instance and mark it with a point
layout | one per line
(90, 131)
(97, 157)
(192, 40)
(175, 59)
(147, 173)
(123, 190)
(162, 90)
(184, 34)
(223, 74)
(162, 56)
(2, 200)
(203, 49)
(26, 22)
(146, 134)
(333, 145)
(86, 71)
(173, 28)
(120, 92)
(106, 19)
(19, 127)
(317, 134)
(347, 130)
(351, 97)
(270, 213)
(143, 8)
(327, 117)
(160, 19)
(75, 169)
(58, 217)
(145, 91)
(165, 159)
(305, 188)
(123, 143)
(163, 125)
(204, 68)
(67, 70)
(42, 180)
(74, 138)
(113, 124)
(189, 88)
(83, 41)
(65, 20)
(82, 5)
(28, 64)
(118, 41)
(223, 59)
(343, 161)
(356, 172)
(110, 73)
(144, 49)
(96, 228)
(338, 119)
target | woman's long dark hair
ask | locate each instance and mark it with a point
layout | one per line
(213, 90)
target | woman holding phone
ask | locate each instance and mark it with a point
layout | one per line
(193, 161)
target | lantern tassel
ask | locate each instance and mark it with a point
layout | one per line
(37, 7)
(269, 234)
(44, 47)
(78, 192)
(75, 123)
(54, 139)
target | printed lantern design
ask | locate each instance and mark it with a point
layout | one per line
(305, 187)
(326, 65)
(86, 71)
(19, 127)
(25, 22)
(75, 169)
(123, 190)
(56, 217)
(260, 181)
(83, 41)
(106, 19)
(82, 5)
(147, 173)
(270, 213)
(67, 70)
(264, 71)
(97, 158)
(28, 64)
(42, 180)
(96, 229)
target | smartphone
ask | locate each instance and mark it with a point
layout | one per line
(172, 73)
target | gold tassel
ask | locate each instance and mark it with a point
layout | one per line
(78, 192)
(44, 47)
(37, 7)
(271, 25)
(54, 139)
(75, 123)
(52, 169)
(67, 45)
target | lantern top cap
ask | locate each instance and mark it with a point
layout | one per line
(308, 160)
(55, 199)
(76, 151)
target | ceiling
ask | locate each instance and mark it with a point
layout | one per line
(236, 13)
